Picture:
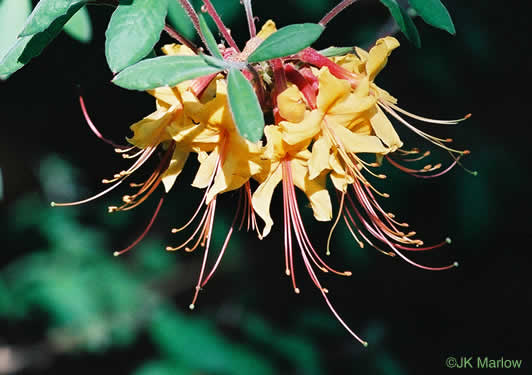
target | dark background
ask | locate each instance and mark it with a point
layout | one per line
(413, 319)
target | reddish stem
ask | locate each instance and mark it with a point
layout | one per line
(180, 38)
(250, 18)
(189, 9)
(335, 11)
(218, 21)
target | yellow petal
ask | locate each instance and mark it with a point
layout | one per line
(177, 49)
(349, 109)
(151, 129)
(350, 62)
(332, 90)
(240, 162)
(291, 104)
(179, 158)
(206, 170)
(167, 95)
(339, 181)
(319, 161)
(304, 131)
(274, 150)
(314, 189)
(262, 197)
(355, 143)
(267, 29)
(378, 55)
(384, 130)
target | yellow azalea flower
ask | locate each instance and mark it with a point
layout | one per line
(234, 160)
(227, 162)
(293, 160)
(337, 124)
(366, 66)
(288, 164)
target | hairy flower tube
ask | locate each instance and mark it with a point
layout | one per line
(329, 120)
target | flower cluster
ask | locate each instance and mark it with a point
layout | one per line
(330, 121)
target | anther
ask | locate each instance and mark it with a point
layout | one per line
(52, 204)
(191, 306)
(296, 290)
(174, 230)
(448, 240)
(386, 195)
(287, 272)
(467, 116)
(466, 152)
(381, 176)
(456, 264)
(116, 253)
(348, 273)
(112, 209)
(365, 343)
(325, 290)
(204, 9)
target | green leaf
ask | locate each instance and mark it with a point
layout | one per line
(133, 30)
(404, 21)
(47, 11)
(28, 47)
(179, 20)
(434, 13)
(287, 41)
(209, 38)
(336, 51)
(79, 27)
(13, 14)
(245, 106)
(163, 71)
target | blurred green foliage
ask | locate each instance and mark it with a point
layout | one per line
(93, 302)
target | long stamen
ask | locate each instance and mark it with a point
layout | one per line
(89, 122)
(435, 140)
(117, 253)
(426, 119)
(210, 224)
(226, 242)
(335, 223)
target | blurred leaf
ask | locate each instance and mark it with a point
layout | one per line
(404, 21)
(13, 14)
(133, 30)
(196, 343)
(179, 20)
(434, 13)
(58, 179)
(294, 349)
(163, 70)
(245, 107)
(47, 12)
(163, 368)
(28, 47)
(209, 38)
(79, 27)
(287, 41)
